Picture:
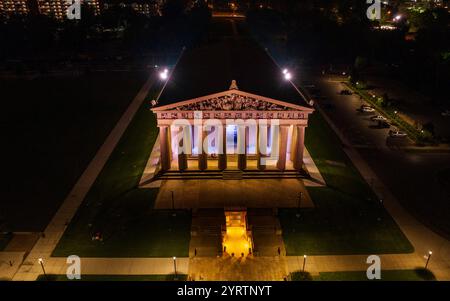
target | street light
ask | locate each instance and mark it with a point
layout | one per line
(300, 195)
(304, 263)
(173, 203)
(164, 74)
(287, 76)
(428, 259)
(41, 262)
(175, 266)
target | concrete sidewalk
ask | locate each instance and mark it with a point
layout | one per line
(9, 264)
(55, 229)
(108, 266)
(316, 264)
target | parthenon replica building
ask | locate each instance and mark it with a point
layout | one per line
(230, 114)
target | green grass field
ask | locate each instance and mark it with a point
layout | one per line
(171, 277)
(123, 213)
(387, 275)
(347, 218)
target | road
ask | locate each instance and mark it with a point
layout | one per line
(411, 176)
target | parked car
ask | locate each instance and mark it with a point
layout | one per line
(446, 113)
(366, 109)
(346, 92)
(396, 133)
(383, 124)
(378, 118)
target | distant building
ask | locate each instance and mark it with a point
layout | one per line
(145, 7)
(14, 7)
(54, 8)
(58, 8)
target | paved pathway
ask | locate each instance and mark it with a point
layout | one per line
(229, 268)
(9, 264)
(55, 229)
(218, 193)
(107, 266)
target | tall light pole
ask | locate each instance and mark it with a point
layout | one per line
(299, 202)
(41, 262)
(304, 263)
(175, 267)
(173, 200)
(173, 203)
(428, 259)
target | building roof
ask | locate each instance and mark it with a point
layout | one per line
(210, 69)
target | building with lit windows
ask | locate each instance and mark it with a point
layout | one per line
(145, 7)
(10, 7)
(58, 8)
(54, 8)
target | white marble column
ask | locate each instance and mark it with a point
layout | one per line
(164, 147)
(282, 147)
(202, 155)
(222, 138)
(261, 146)
(242, 146)
(186, 149)
(299, 147)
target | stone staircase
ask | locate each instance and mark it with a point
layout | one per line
(231, 175)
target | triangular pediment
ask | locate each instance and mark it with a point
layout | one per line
(232, 100)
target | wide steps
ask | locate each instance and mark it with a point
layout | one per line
(230, 175)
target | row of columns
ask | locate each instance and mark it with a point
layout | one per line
(298, 140)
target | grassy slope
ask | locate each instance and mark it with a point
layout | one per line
(347, 218)
(386, 275)
(121, 212)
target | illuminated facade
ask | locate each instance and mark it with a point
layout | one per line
(55, 8)
(9, 7)
(58, 8)
(145, 7)
(240, 146)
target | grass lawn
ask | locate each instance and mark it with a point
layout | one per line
(386, 275)
(121, 212)
(171, 277)
(348, 218)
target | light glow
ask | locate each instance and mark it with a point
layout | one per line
(164, 74)
(288, 76)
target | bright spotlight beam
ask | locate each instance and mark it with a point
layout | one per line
(287, 76)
